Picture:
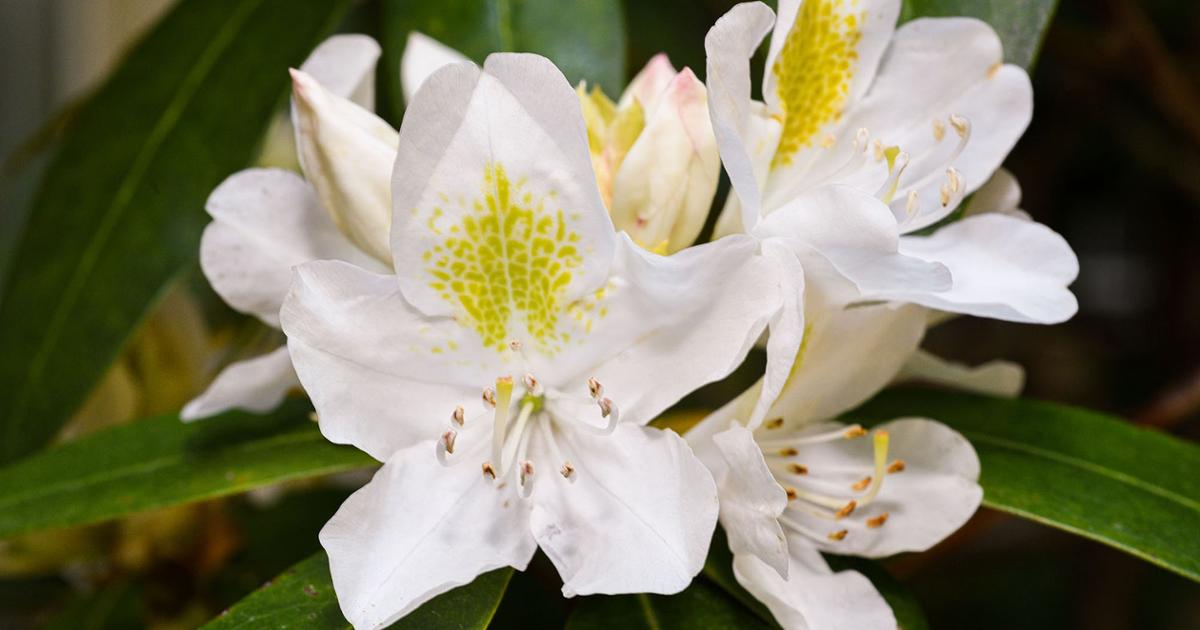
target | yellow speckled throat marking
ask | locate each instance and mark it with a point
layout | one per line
(813, 72)
(507, 263)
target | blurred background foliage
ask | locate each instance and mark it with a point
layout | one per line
(1111, 161)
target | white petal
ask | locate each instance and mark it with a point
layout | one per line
(813, 597)
(729, 45)
(636, 517)
(649, 84)
(787, 329)
(1003, 267)
(265, 221)
(505, 145)
(256, 385)
(423, 55)
(381, 375)
(346, 153)
(419, 529)
(931, 498)
(751, 500)
(858, 235)
(1000, 194)
(673, 323)
(345, 65)
(847, 357)
(994, 378)
(665, 185)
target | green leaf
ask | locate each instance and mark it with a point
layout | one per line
(1100, 477)
(1021, 24)
(161, 462)
(303, 597)
(120, 209)
(702, 605)
(585, 38)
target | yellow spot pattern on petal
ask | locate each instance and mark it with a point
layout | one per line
(507, 265)
(813, 72)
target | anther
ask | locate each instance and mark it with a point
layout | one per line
(860, 138)
(489, 397)
(488, 471)
(854, 431)
(798, 469)
(774, 423)
(877, 521)
(594, 387)
(448, 440)
(526, 471)
(606, 406)
(839, 535)
(515, 345)
(877, 147)
(939, 129)
(791, 494)
(961, 125)
(954, 178)
(896, 466)
(910, 205)
(567, 470)
(861, 484)
(846, 510)
(531, 383)
(458, 417)
(788, 452)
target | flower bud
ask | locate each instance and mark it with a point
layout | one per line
(664, 187)
(346, 153)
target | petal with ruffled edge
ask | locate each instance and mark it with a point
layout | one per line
(635, 516)
(813, 597)
(498, 220)
(736, 122)
(265, 221)
(423, 55)
(382, 375)
(931, 497)
(994, 378)
(345, 65)
(751, 500)
(1003, 267)
(665, 325)
(256, 385)
(417, 530)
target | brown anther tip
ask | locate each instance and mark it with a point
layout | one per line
(489, 397)
(788, 452)
(877, 521)
(896, 466)
(530, 381)
(448, 441)
(488, 471)
(839, 535)
(606, 405)
(459, 415)
(515, 345)
(861, 484)
(774, 423)
(798, 469)
(855, 432)
(846, 510)
(567, 470)
(594, 387)
(791, 494)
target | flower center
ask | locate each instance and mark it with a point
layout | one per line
(828, 492)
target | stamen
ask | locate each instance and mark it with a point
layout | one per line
(877, 521)
(911, 204)
(798, 469)
(854, 431)
(515, 345)
(846, 510)
(526, 472)
(489, 472)
(838, 536)
(448, 441)
(896, 466)
(861, 484)
(786, 445)
(961, 125)
(788, 452)
(828, 141)
(774, 423)
(606, 407)
(567, 470)
(939, 129)
(458, 417)
(877, 148)
(791, 493)
(860, 139)
(595, 388)
(489, 397)
(532, 385)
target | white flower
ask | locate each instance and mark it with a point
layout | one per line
(505, 371)
(867, 134)
(653, 151)
(800, 483)
(267, 220)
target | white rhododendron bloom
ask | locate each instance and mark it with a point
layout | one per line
(653, 151)
(267, 220)
(909, 120)
(800, 483)
(504, 373)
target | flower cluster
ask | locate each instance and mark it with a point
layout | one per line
(495, 300)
